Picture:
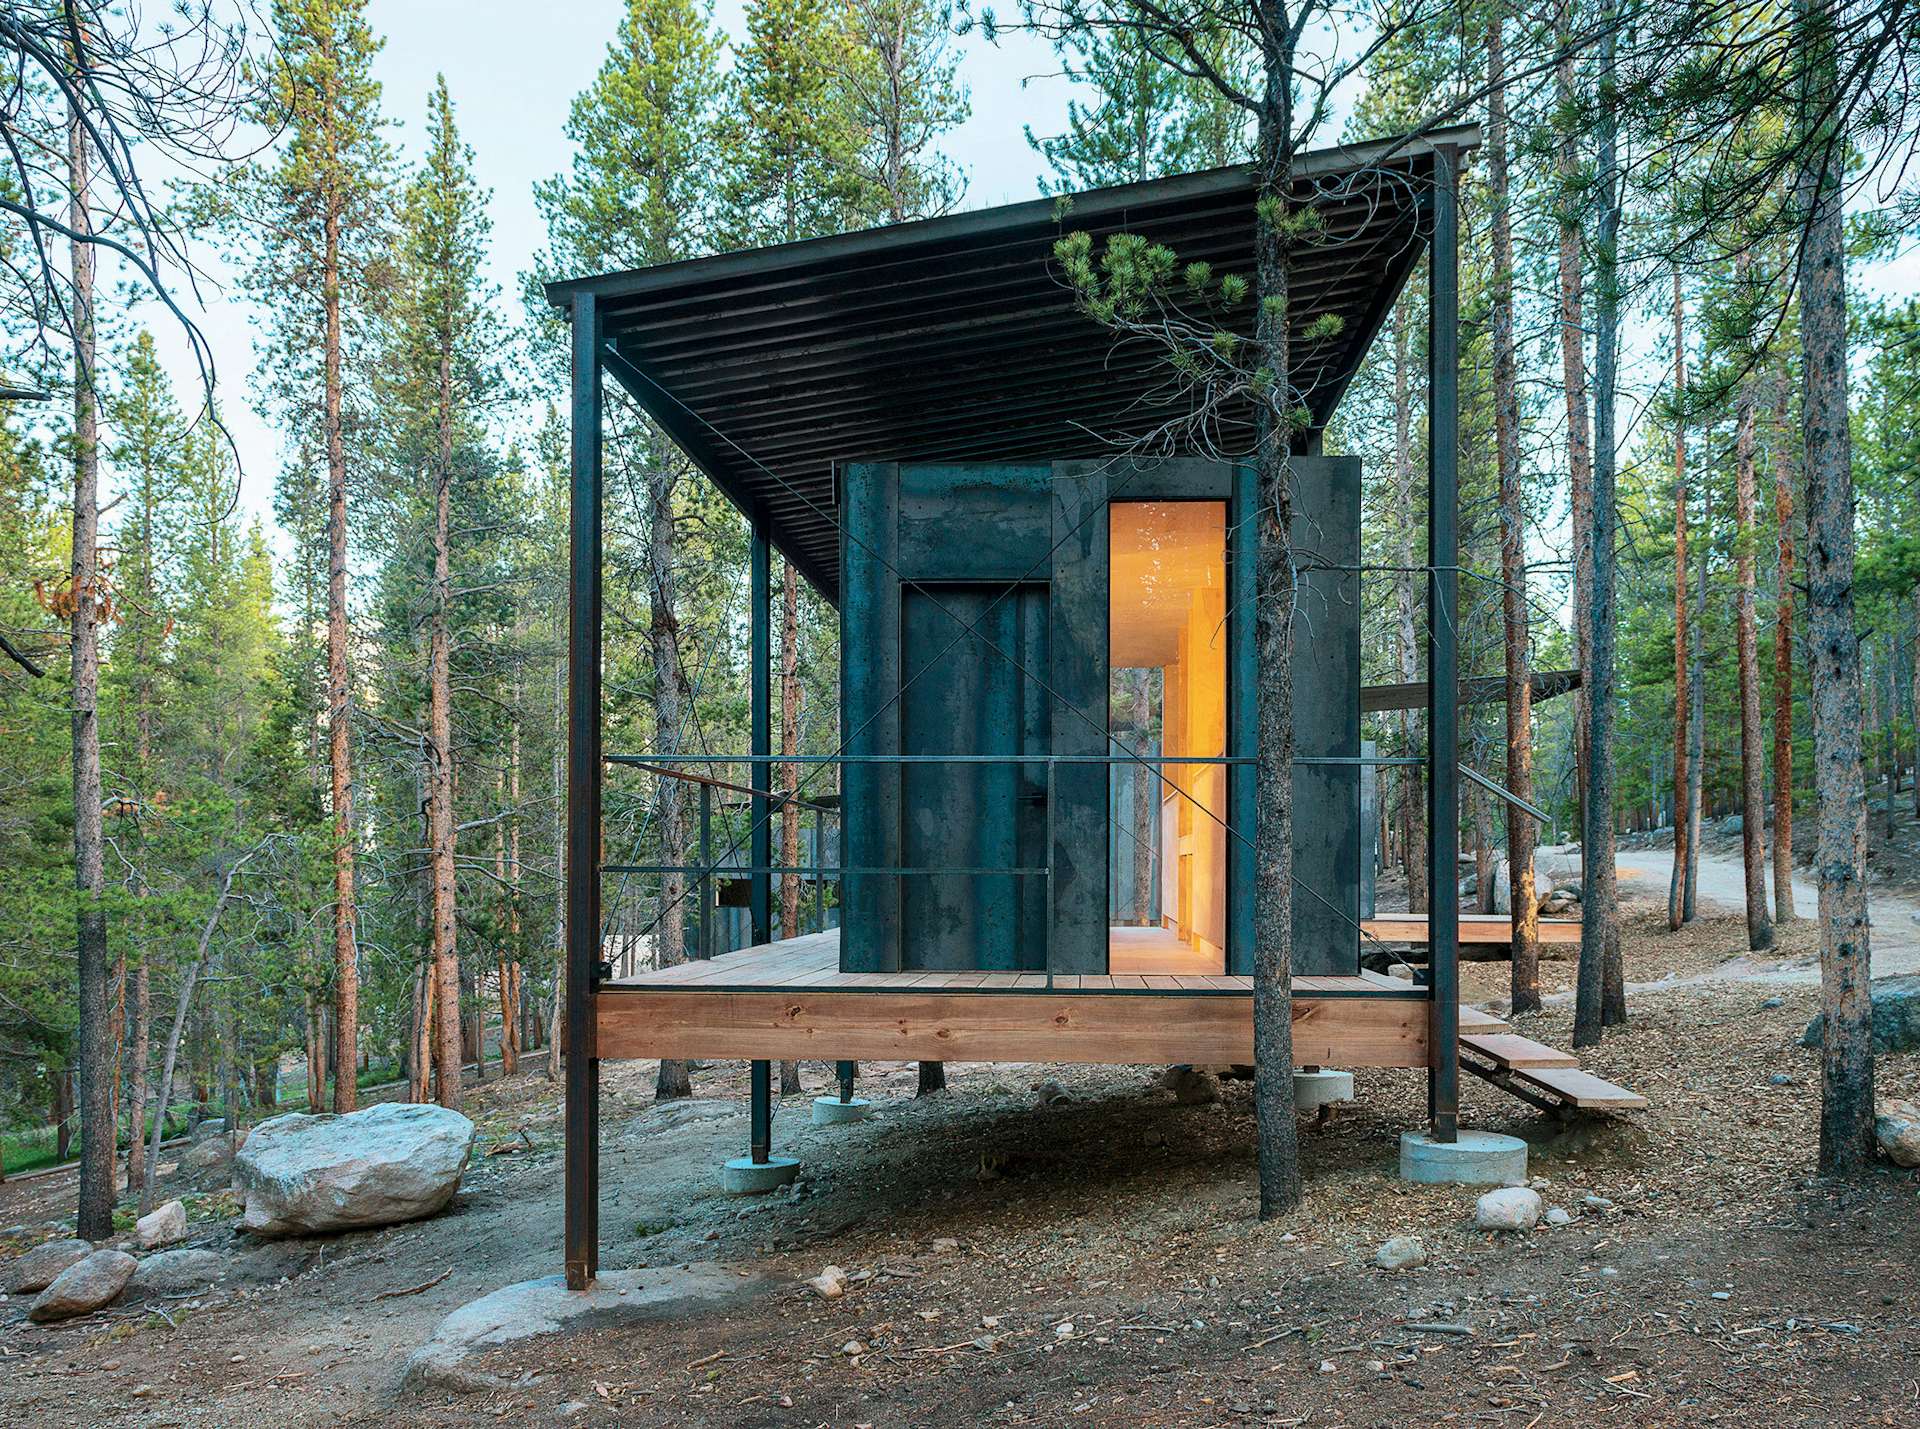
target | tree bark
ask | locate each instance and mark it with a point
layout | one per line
(933, 1078)
(1413, 803)
(1697, 713)
(1521, 834)
(1275, 592)
(137, 1090)
(1846, 1082)
(790, 1085)
(346, 994)
(440, 821)
(98, 1151)
(1753, 798)
(1683, 831)
(1783, 911)
(1599, 997)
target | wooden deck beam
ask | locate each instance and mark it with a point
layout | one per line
(988, 1026)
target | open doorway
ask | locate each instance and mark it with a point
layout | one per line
(1167, 701)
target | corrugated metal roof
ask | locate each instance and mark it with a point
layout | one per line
(956, 338)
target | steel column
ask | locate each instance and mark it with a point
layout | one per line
(705, 933)
(760, 852)
(760, 1112)
(582, 1176)
(1443, 665)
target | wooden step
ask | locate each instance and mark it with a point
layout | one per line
(1511, 1051)
(1580, 1089)
(1479, 1023)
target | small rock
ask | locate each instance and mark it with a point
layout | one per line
(1559, 1216)
(1401, 1252)
(1063, 1330)
(140, 1391)
(1192, 1086)
(1596, 1203)
(573, 1407)
(944, 1245)
(1773, 1002)
(1376, 1366)
(84, 1287)
(853, 1347)
(1326, 1366)
(165, 1225)
(208, 1155)
(1779, 1079)
(1051, 1093)
(1896, 1125)
(1510, 1208)
(37, 1269)
(830, 1284)
(1722, 1295)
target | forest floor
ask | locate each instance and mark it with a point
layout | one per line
(1095, 1257)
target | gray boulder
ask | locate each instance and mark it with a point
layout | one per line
(208, 1154)
(1896, 1016)
(177, 1272)
(1897, 1128)
(1192, 1086)
(1400, 1252)
(38, 1268)
(305, 1175)
(84, 1286)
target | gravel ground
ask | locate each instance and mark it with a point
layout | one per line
(1089, 1252)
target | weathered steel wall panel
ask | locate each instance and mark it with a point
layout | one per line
(1326, 722)
(870, 714)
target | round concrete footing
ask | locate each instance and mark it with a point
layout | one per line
(1314, 1090)
(743, 1176)
(831, 1111)
(1478, 1158)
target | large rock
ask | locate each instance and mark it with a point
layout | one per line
(1511, 1208)
(36, 1270)
(84, 1287)
(177, 1272)
(1896, 1016)
(208, 1154)
(1400, 1252)
(303, 1175)
(164, 1225)
(1897, 1128)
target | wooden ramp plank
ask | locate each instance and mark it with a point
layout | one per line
(1507, 1049)
(1472, 1019)
(1581, 1089)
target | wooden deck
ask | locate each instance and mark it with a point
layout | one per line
(1474, 928)
(790, 1000)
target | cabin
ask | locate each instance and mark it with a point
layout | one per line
(1040, 552)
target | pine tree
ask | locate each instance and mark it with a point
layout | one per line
(642, 191)
(315, 222)
(440, 355)
(902, 95)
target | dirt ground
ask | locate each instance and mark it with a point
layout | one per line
(1069, 1246)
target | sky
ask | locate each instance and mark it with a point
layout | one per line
(512, 83)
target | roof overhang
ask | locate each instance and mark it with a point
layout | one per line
(957, 339)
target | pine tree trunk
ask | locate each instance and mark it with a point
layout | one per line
(1753, 794)
(1521, 834)
(98, 1152)
(670, 700)
(1916, 714)
(790, 1079)
(1683, 831)
(1697, 714)
(1274, 582)
(1783, 911)
(790, 852)
(933, 1078)
(346, 995)
(1413, 803)
(1846, 1105)
(137, 1091)
(440, 821)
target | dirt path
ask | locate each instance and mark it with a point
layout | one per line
(1646, 873)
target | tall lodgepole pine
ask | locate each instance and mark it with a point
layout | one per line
(1833, 643)
(1682, 713)
(1783, 911)
(95, 1050)
(790, 851)
(1525, 982)
(1753, 848)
